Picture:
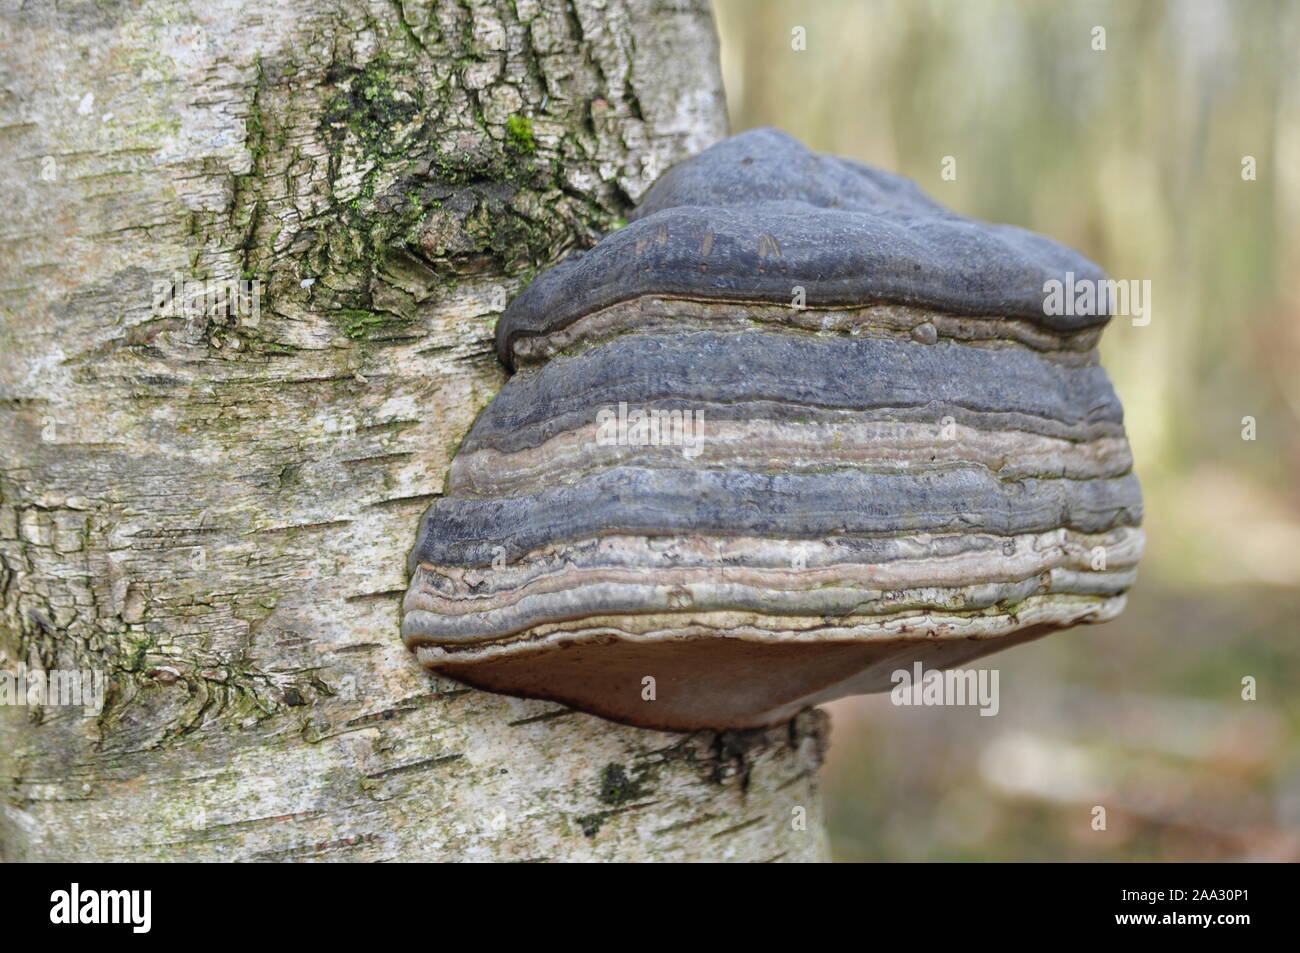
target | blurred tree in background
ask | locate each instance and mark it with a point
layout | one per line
(1127, 130)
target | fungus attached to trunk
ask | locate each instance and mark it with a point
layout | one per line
(794, 428)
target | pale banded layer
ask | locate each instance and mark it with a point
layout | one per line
(656, 314)
(905, 628)
(890, 563)
(695, 438)
(826, 578)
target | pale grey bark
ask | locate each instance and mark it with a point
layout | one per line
(215, 511)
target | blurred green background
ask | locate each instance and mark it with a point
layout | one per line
(1134, 155)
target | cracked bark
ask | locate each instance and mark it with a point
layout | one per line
(214, 509)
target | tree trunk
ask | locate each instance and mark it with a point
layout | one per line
(211, 503)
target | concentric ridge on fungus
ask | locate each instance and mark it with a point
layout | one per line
(919, 465)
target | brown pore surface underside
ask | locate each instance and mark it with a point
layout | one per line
(713, 679)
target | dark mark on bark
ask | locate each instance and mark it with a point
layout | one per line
(367, 596)
(379, 458)
(693, 822)
(737, 827)
(405, 500)
(548, 716)
(300, 527)
(415, 766)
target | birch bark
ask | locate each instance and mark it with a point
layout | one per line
(213, 506)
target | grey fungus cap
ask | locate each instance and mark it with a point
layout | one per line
(699, 504)
(759, 214)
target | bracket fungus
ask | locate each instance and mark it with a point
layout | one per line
(793, 428)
